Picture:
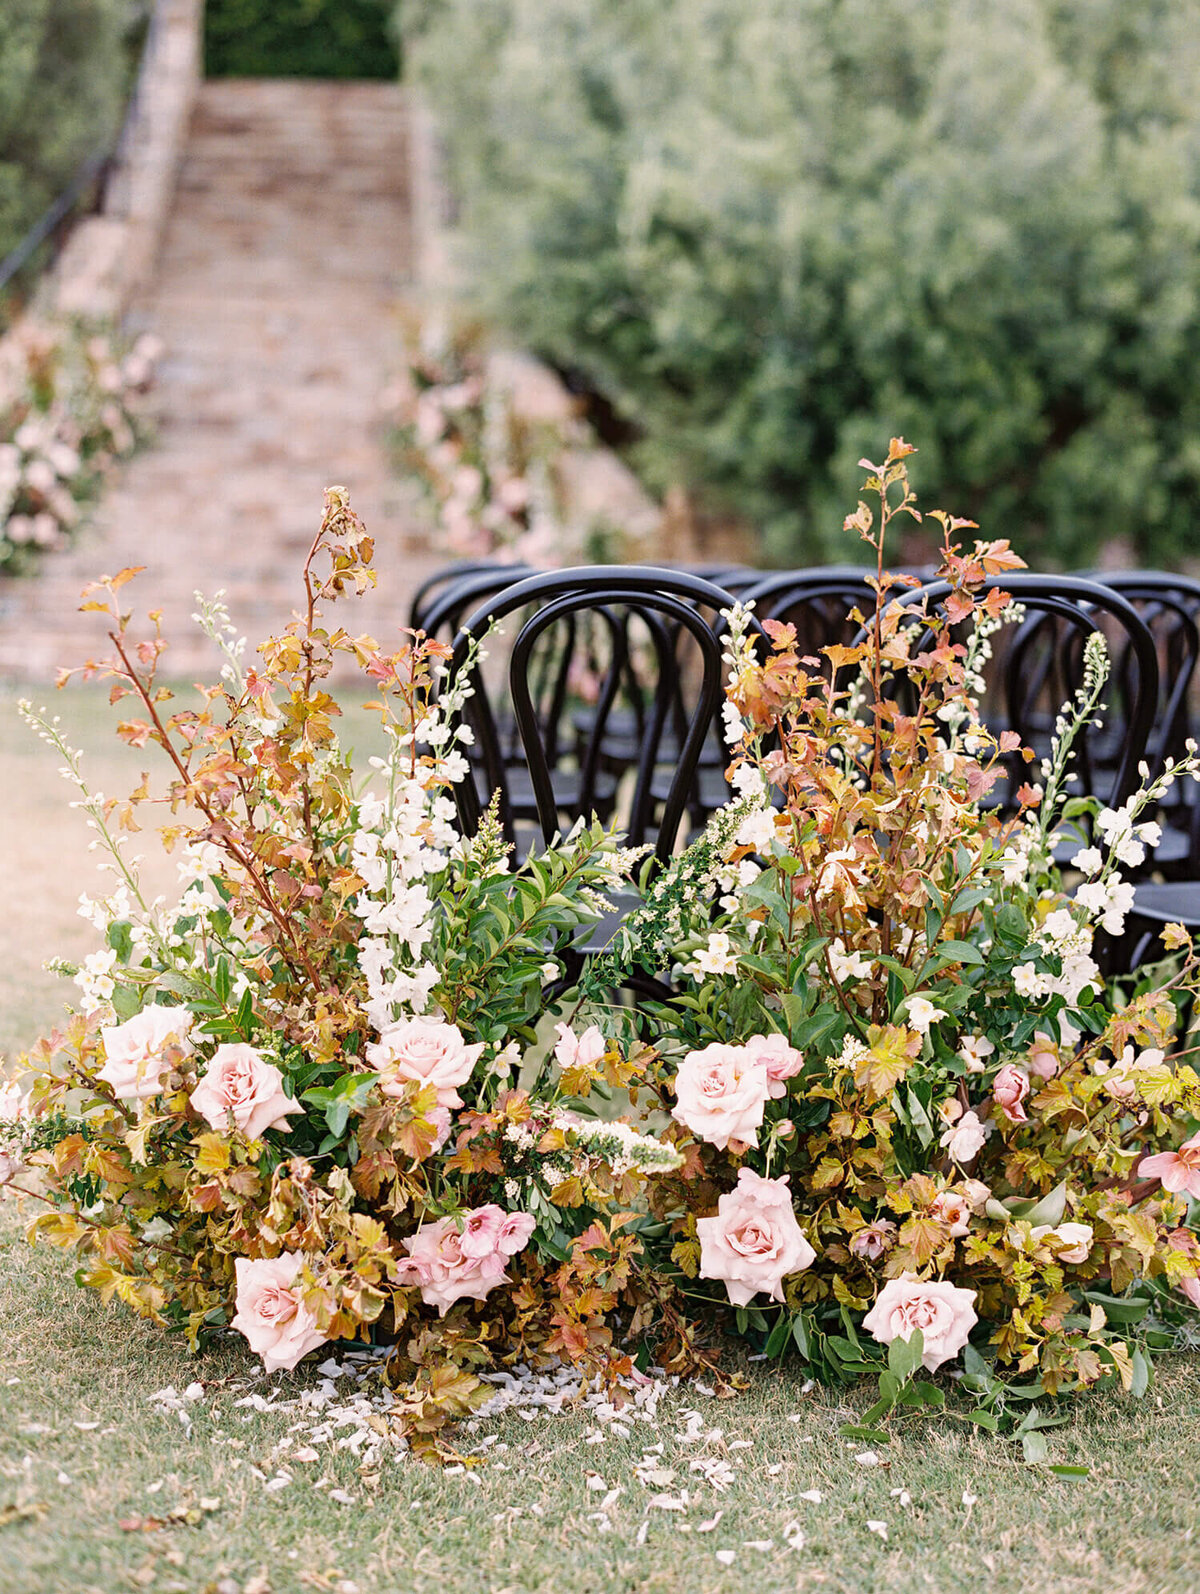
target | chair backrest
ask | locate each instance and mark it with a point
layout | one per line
(443, 580)
(817, 601)
(1038, 665)
(1169, 606)
(665, 608)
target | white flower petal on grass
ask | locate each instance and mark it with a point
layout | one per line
(902, 1495)
(813, 1495)
(762, 1545)
(707, 1527)
(867, 1458)
(726, 1557)
(880, 1528)
(793, 1536)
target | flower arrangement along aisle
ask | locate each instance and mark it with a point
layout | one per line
(909, 1118)
(305, 1100)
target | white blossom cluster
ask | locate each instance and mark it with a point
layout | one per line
(403, 839)
(623, 1148)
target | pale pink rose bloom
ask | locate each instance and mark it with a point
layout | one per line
(440, 1119)
(481, 1231)
(964, 1139)
(1043, 1056)
(238, 1083)
(579, 1051)
(943, 1312)
(1191, 1288)
(976, 1192)
(1009, 1090)
(875, 1241)
(438, 1260)
(428, 1051)
(954, 1209)
(515, 1233)
(783, 1061)
(136, 1056)
(753, 1242)
(12, 1103)
(270, 1313)
(721, 1092)
(1075, 1241)
(1178, 1170)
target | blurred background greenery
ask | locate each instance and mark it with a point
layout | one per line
(772, 232)
(65, 69)
(300, 38)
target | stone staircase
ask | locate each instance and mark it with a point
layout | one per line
(287, 255)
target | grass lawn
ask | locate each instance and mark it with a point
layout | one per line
(82, 1450)
(88, 1462)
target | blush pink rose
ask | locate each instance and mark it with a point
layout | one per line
(753, 1242)
(141, 1052)
(428, 1051)
(579, 1051)
(270, 1313)
(241, 1085)
(1043, 1056)
(452, 1264)
(1009, 1090)
(1178, 1170)
(1191, 1288)
(720, 1093)
(783, 1061)
(943, 1312)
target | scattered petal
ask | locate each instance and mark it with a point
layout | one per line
(813, 1495)
(867, 1458)
(726, 1557)
(880, 1528)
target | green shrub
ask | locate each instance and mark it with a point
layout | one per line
(64, 71)
(773, 230)
(299, 38)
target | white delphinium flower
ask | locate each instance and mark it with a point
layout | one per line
(922, 1014)
(848, 966)
(717, 957)
(758, 830)
(95, 980)
(974, 1051)
(1029, 981)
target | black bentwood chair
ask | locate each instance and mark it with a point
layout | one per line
(658, 611)
(663, 606)
(1037, 666)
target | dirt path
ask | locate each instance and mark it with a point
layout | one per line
(288, 251)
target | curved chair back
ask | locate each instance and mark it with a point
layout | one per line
(1038, 666)
(665, 608)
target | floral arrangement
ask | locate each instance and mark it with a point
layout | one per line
(909, 1115)
(493, 475)
(70, 411)
(319, 1096)
(891, 1122)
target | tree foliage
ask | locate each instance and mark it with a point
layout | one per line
(299, 38)
(770, 230)
(64, 70)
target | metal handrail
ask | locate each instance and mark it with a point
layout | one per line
(97, 169)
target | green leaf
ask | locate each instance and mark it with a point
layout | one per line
(850, 1430)
(1142, 1371)
(983, 1419)
(959, 951)
(904, 1355)
(800, 1335)
(1034, 1448)
(1119, 1309)
(1071, 1472)
(120, 938)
